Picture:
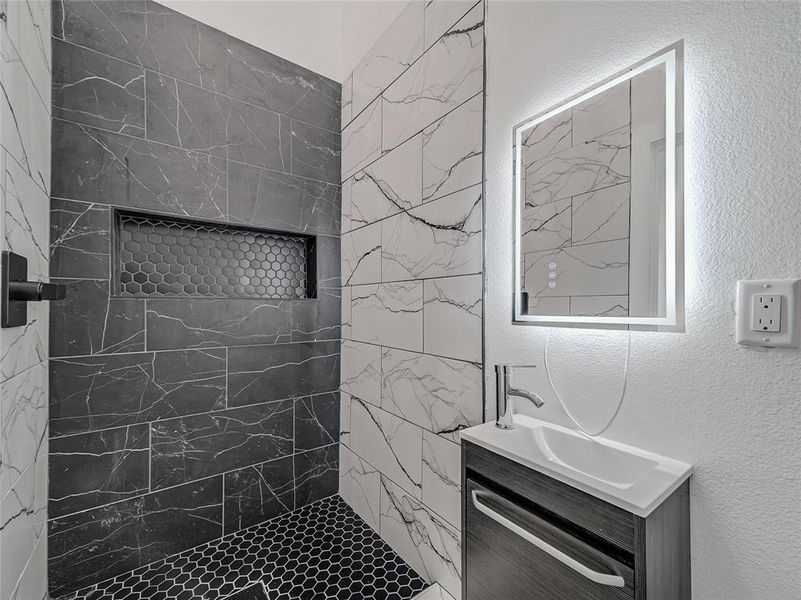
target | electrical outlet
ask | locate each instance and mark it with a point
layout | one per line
(768, 313)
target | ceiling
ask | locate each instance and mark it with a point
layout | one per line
(326, 36)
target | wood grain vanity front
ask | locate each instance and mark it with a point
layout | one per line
(651, 555)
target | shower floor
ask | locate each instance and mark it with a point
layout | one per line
(321, 551)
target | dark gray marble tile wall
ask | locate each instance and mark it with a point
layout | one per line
(174, 421)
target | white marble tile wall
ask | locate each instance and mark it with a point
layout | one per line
(25, 77)
(575, 217)
(412, 374)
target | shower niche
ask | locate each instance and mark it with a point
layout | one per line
(165, 256)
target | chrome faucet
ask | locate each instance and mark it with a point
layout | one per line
(504, 392)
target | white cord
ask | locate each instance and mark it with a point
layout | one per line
(564, 406)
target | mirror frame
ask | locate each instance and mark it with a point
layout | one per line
(672, 58)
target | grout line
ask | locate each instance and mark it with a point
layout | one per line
(420, 352)
(416, 133)
(189, 415)
(422, 54)
(186, 483)
(195, 349)
(205, 89)
(201, 152)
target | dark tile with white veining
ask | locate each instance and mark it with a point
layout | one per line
(268, 198)
(196, 323)
(329, 265)
(97, 166)
(99, 392)
(88, 321)
(267, 80)
(79, 239)
(259, 137)
(316, 474)
(185, 115)
(184, 48)
(317, 318)
(333, 549)
(198, 446)
(103, 542)
(264, 373)
(113, 28)
(316, 153)
(92, 469)
(316, 421)
(259, 493)
(97, 90)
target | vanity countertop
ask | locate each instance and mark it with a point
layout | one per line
(630, 478)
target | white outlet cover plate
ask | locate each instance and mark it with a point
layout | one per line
(790, 291)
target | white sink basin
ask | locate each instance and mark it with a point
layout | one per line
(631, 478)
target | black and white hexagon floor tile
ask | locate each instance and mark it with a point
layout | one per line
(321, 551)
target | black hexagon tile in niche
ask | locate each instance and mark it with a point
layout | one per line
(323, 551)
(163, 257)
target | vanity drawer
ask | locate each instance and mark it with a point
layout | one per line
(511, 552)
(608, 522)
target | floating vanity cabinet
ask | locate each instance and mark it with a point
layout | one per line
(527, 536)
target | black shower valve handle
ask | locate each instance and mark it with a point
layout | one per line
(16, 291)
(34, 291)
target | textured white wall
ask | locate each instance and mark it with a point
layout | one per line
(326, 36)
(733, 412)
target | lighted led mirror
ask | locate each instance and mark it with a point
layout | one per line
(598, 203)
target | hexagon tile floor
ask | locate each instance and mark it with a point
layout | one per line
(321, 551)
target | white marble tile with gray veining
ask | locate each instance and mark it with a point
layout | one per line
(361, 255)
(448, 74)
(361, 371)
(427, 542)
(604, 112)
(441, 15)
(549, 306)
(347, 194)
(390, 314)
(347, 101)
(588, 270)
(393, 53)
(23, 432)
(388, 186)
(545, 226)
(345, 313)
(452, 150)
(361, 140)
(435, 592)
(360, 486)
(27, 219)
(344, 418)
(436, 239)
(394, 446)
(25, 118)
(24, 347)
(27, 25)
(441, 395)
(599, 306)
(595, 164)
(545, 138)
(602, 215)
(23, 512)
(452, 315)
(442, 477)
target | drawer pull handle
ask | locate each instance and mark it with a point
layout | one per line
(602, 578)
